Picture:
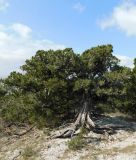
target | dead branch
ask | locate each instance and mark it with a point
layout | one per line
(25, 132)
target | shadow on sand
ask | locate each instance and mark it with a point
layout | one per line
(112, 124)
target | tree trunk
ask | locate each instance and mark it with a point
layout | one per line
(83, 120)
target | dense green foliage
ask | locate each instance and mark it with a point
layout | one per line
(54, 84)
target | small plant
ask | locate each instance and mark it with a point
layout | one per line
(83, 131)
(1, 127)
(28, 152)
(76, 143)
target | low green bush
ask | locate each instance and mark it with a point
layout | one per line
(28, 152)
(76, 143)
(19, 109)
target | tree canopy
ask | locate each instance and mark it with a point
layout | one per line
(54, 85)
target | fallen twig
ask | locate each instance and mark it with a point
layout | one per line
(25, 132)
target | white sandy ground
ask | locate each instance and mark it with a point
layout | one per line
(121, 146)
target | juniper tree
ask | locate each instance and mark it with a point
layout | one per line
(65, 82)
(130, 106)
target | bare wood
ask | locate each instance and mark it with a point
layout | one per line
(84, 114)
(89, 121)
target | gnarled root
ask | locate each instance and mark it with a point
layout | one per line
(83, 120)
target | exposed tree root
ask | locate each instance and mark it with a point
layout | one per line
(83, 120)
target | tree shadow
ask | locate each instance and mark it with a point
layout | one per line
(113, 124)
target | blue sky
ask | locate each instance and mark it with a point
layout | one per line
(29, 25)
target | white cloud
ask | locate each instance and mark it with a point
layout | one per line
(17, 44)
(123, 17)
(4, 4)
(22, 30)
(79, 7)
(126, 61)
